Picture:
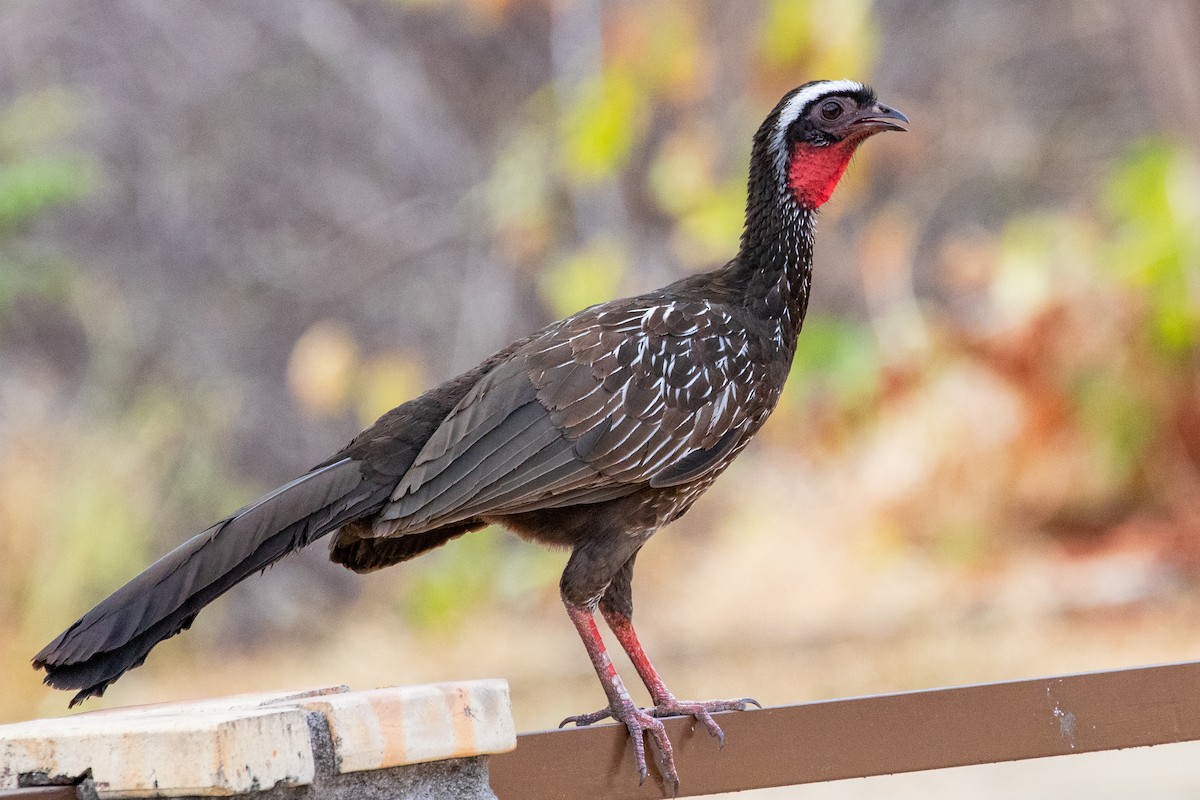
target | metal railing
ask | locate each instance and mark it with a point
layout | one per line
(864, 736)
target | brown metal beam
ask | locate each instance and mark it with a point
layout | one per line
(863, 736)
(41, 793)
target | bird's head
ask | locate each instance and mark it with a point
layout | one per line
(811, 135)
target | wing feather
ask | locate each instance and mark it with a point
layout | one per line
(607, 402)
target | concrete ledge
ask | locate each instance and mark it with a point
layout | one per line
(264, 743)
(389, 727)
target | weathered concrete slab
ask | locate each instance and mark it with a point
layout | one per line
(318, 743)
(209, 752)
(412, 724)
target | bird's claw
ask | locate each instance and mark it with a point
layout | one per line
(703, 711)
(580, 720)
(638, 722)
(648, 721)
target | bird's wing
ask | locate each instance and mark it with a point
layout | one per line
(604, 403)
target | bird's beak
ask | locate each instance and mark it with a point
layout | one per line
(880, 118)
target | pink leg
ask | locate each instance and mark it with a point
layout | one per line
(665, 704)
(620, 705)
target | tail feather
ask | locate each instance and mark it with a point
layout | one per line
(117, 634)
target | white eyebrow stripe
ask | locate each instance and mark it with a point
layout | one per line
(799, 101)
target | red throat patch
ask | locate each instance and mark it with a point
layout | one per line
(815, 171)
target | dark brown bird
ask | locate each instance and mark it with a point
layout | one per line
(591, 434)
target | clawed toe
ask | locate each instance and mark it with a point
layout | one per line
(683, 708)
(581, 720)
(638, 722)
(703, 711)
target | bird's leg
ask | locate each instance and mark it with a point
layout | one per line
(620, 705)
(665, 703)
(617, 607)
(589, 573)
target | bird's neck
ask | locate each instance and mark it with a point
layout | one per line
(774, 265)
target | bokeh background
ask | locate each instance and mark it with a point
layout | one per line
(234, 232)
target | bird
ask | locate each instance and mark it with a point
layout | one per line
(590, 434)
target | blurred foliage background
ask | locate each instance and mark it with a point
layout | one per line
(233, 233)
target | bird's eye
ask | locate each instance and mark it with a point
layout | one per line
(831, 110)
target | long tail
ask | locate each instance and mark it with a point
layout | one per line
(117, 634)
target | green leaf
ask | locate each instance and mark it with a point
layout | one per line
(27, 188)
(1120, 421)
(601, 127)
(830, 38)
(586, 277)
(839, 356)
(1154, 206)
(450, 582)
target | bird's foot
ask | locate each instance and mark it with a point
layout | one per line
(638, 721)
(703, 711)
